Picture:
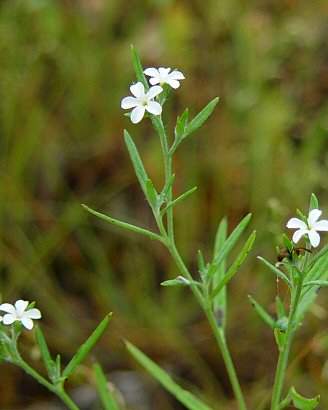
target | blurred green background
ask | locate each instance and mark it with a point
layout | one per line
(65, 66)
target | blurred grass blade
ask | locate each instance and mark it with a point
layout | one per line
(85, 348)
(138, 68)
(235, 265)
(124, 225)
(44, 350)
(180, 198)
(220, 301)
(107, 398)
(275, 270)
(136, 161)
(186, 398)
(200, 118)
(264, 315)
(232, 239)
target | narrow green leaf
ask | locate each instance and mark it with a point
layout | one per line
(136, 161)
(138, 68)
(275, 270)
(201, 263)
(200, 118)
(181, 125)
(151, 194)
(279, 337)
(287, 243)
(232, 239)
(220, 301)
(235, 265)
(186, 398)
(316, 283)
(168, 186)
(280, 308)
(176, 201)
(45, 354)
(314, 204)
(268, 319)
(124, 225)
(107, 398)
(316, 257)
(85, 348)
(303, 403)
(181, 281)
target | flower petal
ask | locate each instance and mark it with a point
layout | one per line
(129, 102)
(9, 319)
(20, 306)
(153, 91)
(295, 223)
(154, 80)
(321, 225)
(137, 114)
(33, 313)
(314, 215)
(176, 75)
(164, 72)
(7, 307)
(27, 322)
(314, 238)
(152, 72)
(154, 107)
(138, 90)
(173, 83)
(298, 234)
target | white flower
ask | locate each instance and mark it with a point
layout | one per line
(142, 101)
(19, 313)
(310, 229)
(163, 76)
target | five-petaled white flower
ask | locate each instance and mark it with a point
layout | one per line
(163, 76)
(310, 229)
(142, 101)
(19, 312)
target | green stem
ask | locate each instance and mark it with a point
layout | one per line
(218, 332)
(58, 390)
(285, 350)
(158, 125)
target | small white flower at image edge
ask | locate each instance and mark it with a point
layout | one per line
(163, 76)
(311, 228)
(142, 102)
(19, 313)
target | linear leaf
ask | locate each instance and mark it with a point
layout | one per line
(275, 270)
(180, 198)
(235, 265)
(220, 301)
(232, 239)
(200, 118)
(85, 348)
(138, 68)
(186, 398)
(124, 225)
(136, 161)
(303, 403)
(44, 350)
(107, 398)
(264, 315)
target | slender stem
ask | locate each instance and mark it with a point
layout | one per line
(218, 332)
(158, 124)
(58, 390)
(284, 353)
